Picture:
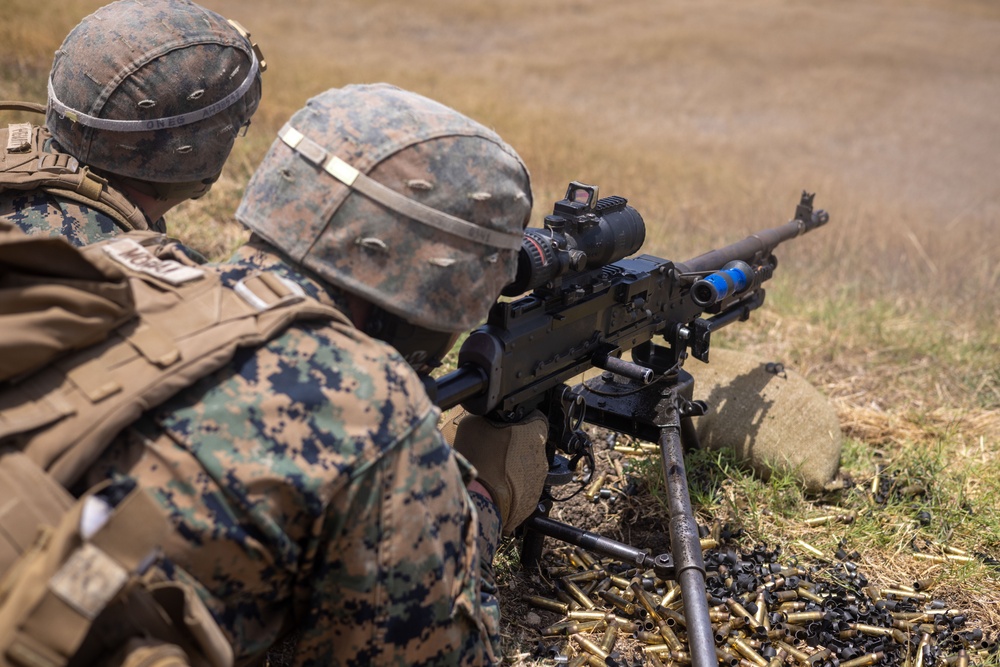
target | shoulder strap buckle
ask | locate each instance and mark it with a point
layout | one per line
(264, 291)
(57, 163)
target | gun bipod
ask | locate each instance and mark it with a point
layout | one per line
(660, 412)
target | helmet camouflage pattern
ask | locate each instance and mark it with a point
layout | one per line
(396, 198)
(155, 90)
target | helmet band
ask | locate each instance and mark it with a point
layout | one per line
(315, 154)
(170, 123)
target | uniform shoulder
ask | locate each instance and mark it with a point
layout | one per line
(38, 213)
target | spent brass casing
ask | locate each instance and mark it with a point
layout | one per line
(900, 624)
(586, 575)
(747, 651)
(726, 657)
(830, 518)
(669, 636)
(619, 471)
(947, 558)
(621, 583)
(811, 549)
(804, 616)
(740, 611)
(808, 594)
(912, 615)
(546, 603)
(670, 596)
(587, 559)
(648, 637)
(904, 594)
(786, 595)
(587, 615)
(674, 618)
(872, 630)
(646, 600)
(653, 660)
(717, 615)
(789, 607)
(577, 594)
(662, 650)
(561, 628)
(618, 602)
(589, 646)
(610, 636)
(819, 656)
(722, 631)
(761, 615)
(800, 656)
(779, 658)
(924, 640)
(962, 659)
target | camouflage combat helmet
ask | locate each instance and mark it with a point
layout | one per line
(396, 198)
(155, 91)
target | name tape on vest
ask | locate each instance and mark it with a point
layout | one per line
(130, 254)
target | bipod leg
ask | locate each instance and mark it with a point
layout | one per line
(531, 546)
(543, 526)
(685, 545)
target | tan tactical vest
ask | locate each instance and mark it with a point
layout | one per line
(24, 165)
(90, 339)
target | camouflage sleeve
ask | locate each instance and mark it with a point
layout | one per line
(488, 539)
(399, 577)
(41, 214)
(312, 494)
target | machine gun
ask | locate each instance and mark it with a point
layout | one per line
(589, 303)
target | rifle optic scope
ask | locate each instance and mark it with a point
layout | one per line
(583, 233)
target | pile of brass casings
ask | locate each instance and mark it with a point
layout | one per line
(764, 614)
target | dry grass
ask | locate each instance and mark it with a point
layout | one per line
(711, 117)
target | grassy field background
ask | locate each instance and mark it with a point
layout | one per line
(711, 117)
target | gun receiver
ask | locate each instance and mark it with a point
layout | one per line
(585, 317)
(589, 303)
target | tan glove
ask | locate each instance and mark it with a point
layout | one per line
(510, 461)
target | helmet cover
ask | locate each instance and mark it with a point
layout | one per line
(431, 277)
(155, 90)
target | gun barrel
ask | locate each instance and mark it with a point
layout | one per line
(756, 246)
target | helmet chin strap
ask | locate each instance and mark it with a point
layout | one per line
(422, 348)
(168, 191)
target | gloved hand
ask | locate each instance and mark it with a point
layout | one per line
(510, 461)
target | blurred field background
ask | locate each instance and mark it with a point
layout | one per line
(711, 117)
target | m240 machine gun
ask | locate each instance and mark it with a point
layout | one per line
(589, 301)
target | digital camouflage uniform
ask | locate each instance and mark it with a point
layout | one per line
(309, 485)
(40, 213)
(152, 92)
(311, 491)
